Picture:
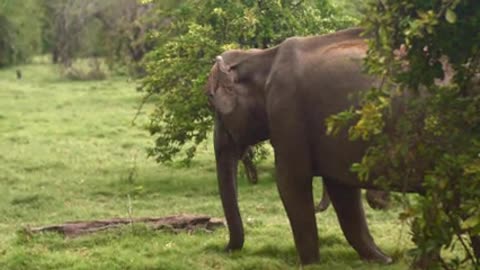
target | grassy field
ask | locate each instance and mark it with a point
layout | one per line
(68, 151)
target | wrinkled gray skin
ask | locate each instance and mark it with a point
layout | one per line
(285, 94)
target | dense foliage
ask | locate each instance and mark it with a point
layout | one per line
(355, 8)
(200, 30)
(114, 30)
(428, 53)
(20, 38)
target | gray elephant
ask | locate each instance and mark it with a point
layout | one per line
(376, 199)
(284, 94)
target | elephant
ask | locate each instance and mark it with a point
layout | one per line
(376, 199)
(284, 94)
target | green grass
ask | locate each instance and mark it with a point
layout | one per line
(68, 151)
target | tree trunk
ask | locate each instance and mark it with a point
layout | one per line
(175, 223)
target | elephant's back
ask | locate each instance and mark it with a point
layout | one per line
(312, 79)
(333, 78)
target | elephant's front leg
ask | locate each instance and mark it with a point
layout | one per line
(348, 206)
(294, 182)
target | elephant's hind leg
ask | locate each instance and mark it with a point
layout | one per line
(348, 206)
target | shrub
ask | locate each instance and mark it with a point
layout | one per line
(177, 68)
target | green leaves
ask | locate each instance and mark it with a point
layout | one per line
(428, 129)
(337, 122)
(370, 122)
(472, 223)
(450, 16)
(177, 68)
(20, 31)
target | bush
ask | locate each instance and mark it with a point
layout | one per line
(427, 51)
(20, 33)
(93, 72)
(177, 69)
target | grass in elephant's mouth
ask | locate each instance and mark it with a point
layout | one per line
(67, 152)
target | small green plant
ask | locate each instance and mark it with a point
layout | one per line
(92, 72)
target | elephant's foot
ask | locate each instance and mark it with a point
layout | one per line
(234, 245)
(374, 254)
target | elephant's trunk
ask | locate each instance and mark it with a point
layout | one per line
(227, 157)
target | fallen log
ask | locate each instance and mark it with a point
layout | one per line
(177, 223)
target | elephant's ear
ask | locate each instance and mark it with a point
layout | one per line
(224, 97)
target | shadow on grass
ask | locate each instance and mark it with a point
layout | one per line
(287, 255)
(140, 240)
(31, 200)
(330, 246)
(331, 240)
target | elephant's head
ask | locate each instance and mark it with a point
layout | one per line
(235, 90)
(220, 87)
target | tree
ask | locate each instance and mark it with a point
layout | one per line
(126, 24)
(428, 53)
(113, 29)
(355, 8)
(20, 34)
(177, 69)
(7, 50)
(69, 21)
